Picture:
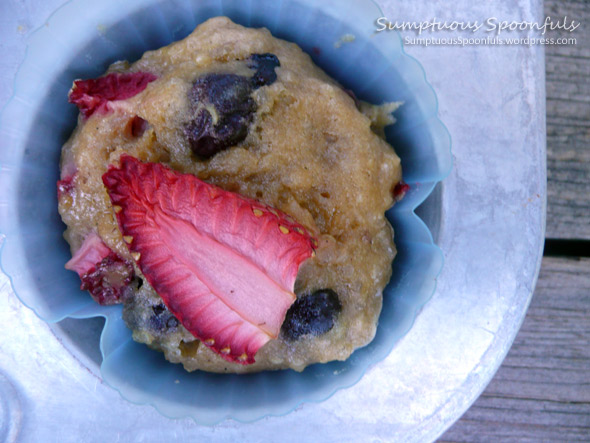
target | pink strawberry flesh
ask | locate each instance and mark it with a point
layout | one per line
(400, 190)
(92, 251)
(65, 186)
(223, 264)
(103, 273)
(94, 95)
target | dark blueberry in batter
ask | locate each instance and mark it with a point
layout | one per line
(162, 319)
(156, 323)
(223, 107)
(265, 65)
(228, 97)
(311, 314)
(229, 93)
(158, 309)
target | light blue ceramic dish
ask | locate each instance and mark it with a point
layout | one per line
(79, 41)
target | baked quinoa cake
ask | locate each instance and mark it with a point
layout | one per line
(231, 196)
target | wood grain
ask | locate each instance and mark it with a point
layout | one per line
(542, 390)
(568, 125)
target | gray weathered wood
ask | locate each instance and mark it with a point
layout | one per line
(568, 125)
(542, 390)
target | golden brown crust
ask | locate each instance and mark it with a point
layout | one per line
(309, 152)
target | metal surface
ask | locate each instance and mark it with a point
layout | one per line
(488, 218)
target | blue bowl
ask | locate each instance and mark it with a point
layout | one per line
(38, 120)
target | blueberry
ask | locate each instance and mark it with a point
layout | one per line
(311, 314)
(265, 65)
(158, 309)
(228, 96)
(223, 107)
(229, 93)
(162, 319)
(156, 323)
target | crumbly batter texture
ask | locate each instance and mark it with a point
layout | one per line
(309, 152)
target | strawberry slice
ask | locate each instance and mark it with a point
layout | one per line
(224, 265)
(103, 272)
(92, 251)
(65, 186)
(95, 94)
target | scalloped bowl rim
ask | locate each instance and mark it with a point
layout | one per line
(108, 312)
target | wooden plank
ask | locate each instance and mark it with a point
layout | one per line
(568, 125)
(542, 390)
(497, 432)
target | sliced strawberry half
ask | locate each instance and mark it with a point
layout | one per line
(94, 94)
(103, 272)
(224, 265)
(92, 251)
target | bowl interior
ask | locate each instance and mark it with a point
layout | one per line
(373, 66)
